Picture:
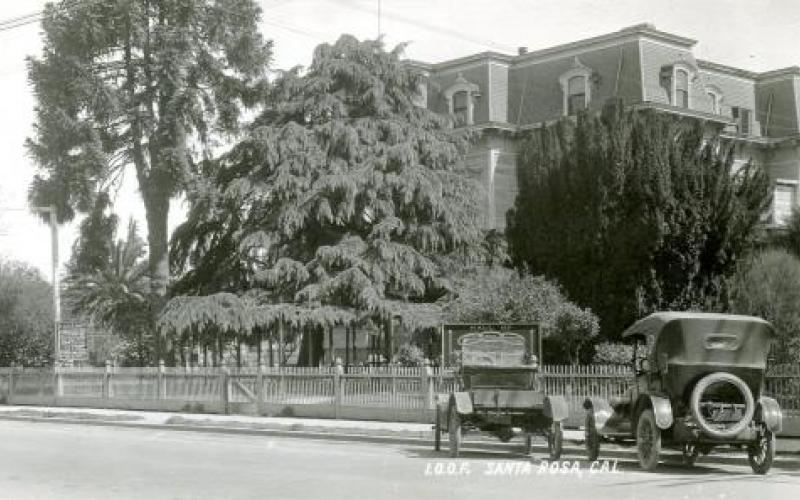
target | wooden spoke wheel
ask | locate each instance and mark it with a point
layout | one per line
(555, 438)
(591, 438)
(648, 440)
(454, 432)
(761, 454)
(690, 454)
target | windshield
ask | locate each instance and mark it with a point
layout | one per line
(493, 349)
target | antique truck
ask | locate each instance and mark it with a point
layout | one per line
(699, 387)
(497, 387)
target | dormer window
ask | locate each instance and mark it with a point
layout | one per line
(677, 80)
(460, 100)
(576, 88)
(460, 106)
(576, 96)
(714, 99)
(681, 88)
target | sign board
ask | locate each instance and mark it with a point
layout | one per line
(452, 333)
(72, 342)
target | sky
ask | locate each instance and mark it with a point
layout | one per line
(756, 35)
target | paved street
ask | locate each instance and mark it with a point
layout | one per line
(49, 460)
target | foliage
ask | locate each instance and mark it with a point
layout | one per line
(92, 248)
(116, 293)
(617, 353)
(26, 316)
(342, 203)
(634, 211)
(501, 295)
(788, 236)
(409, 355)
(139, 82)
(767, 285)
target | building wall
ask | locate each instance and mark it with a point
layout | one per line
(498, 92)
(524, 90)
(477, 73)
(783, 118)
(654, 56)
(535, 94)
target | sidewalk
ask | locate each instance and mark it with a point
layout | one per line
(295, 427)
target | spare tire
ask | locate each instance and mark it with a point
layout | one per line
(697, 393)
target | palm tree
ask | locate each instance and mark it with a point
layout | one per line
(115, 293)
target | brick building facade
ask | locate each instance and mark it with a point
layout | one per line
(500, 94)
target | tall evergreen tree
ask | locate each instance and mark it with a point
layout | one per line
(633, 211)
(344, 202)
(144, 83)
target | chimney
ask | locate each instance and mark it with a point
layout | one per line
(522, 50)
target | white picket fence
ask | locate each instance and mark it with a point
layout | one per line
(408, 389)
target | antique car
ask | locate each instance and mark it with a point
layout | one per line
(699, 387)
(497, 387)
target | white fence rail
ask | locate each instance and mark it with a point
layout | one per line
(384, 392)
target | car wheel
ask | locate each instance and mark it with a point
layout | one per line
(454, 432)
(690, 454)
(554, 440)
(648, 440)
(591, 438)
(761, 454)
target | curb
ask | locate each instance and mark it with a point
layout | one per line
(571, 447)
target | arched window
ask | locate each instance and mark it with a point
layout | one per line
(460, 98)
(681, 88)
(577, 91)
(576, 94)
(712, 97)
(460, 106)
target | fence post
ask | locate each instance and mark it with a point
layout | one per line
(225, 380)
(260, 390)
(107, 381)
(426, 384)
(338, 383)
(161, 381)
(58, 388)
(11, 383)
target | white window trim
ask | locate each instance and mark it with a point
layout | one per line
(713, 89)
(577, 69)
(786, 183)
(472, 90)
(690, 75)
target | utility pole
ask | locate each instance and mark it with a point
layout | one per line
(51, 211)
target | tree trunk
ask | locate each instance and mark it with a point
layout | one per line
(311, 347)
(156, 205)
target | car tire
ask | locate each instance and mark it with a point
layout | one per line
(591, 438)
(648, 440)
(761, 454)
(697, 393)
(555, 439)
(454, 432)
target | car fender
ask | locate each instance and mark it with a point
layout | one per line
(662, 409)
(556, 408)
(601, 410)
(769, 411)
(462, 402)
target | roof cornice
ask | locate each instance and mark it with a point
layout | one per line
(728, 70)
